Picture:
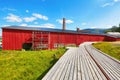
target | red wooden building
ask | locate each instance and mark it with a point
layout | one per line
(17, 37)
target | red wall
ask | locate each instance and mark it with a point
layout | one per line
(62, 38)
(69, 38)
(117, 39)
(13, 39)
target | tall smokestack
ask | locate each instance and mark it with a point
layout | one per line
(78, 29)
(64, 24)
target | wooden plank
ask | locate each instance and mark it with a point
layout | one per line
(110, 66)
(65, 71)
(67, 75)
(71, 72)
(79, 69)
(77, 64)
(89, 69)
(85, 68)
(52, 71)
(60, 70)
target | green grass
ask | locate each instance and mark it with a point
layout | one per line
(109, 48)
(27, 65)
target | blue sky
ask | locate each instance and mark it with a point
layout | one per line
(49, 13)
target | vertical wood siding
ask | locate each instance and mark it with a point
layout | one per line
(13, 39)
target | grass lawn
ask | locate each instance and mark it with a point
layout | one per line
(109, 48)
(27, 65)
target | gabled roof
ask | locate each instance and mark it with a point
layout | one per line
(54, 30)
(42, 29)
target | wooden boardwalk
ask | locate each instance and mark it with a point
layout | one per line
(84, 63)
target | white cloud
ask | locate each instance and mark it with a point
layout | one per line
(47, 25)
(116, 0)
(67, 21)
(13, 18)
(29, 19)
(27, 11)
(35, 22)
(83, 24)
(107, 4)
(93, 27)
(110, 3)
(5, 25)
(23, 24)
(40, 16)
(9, 9)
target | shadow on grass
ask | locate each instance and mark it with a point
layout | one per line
(45, 72)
